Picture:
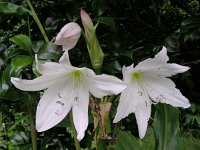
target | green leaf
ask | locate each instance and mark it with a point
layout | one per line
(190, 24)
(107, 21)
(126, 53)
(166, 127)
(197, 118)
(126, 141)
(172, 43)
(14, 95)
(36, 45)
(5, 82)
(21, 61)
(23, 41)
(10, 9)
(112, 67)
(49, 51)
(99, 7)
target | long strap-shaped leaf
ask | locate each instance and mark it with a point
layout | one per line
(166, 127)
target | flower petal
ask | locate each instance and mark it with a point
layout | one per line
(68, 36)
(54, 105)
(126, 71)
(86, 21)
(142, 114)
(168, 70)
(102, 85)
(160, 58)
(135, 100)
(36, 84)
(80, 111)
(49, 67)
(125, 106)
(65, 62)
(159, 65)
(161, 89)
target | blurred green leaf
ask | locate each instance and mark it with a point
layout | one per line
(49, 51)
(191, 28)
(99, 7)
(166, 127)
(126, 53)
(172, 43)
(10, 9)
(21, 61)
(190, 24)
(106, 20)
(112, 67)
(23, 41)
(36, 45)
(5, 75)
(14, 95)
(126, 141)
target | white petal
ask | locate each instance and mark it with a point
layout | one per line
(160, 59)
(65, 62)
(161, 89)
(159, 65)
(80, 111)
(142, 114)
(167, 70)
(54, 105)
(36, 84)
(135, 100)
(49, 67)
(126, 71)
(125, 106)
(102, 85)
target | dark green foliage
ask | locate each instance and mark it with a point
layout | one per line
(166, 127)
(129, 31)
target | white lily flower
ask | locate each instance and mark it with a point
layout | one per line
(147, 84)
(67, 87)
(68, 36)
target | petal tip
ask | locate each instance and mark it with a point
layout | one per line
(80, 136)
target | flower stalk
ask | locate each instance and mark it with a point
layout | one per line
(32, 126)
(35, 17)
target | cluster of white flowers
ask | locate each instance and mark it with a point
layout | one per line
(68, 87)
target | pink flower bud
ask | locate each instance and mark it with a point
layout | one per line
(68, 36)
(86, 20)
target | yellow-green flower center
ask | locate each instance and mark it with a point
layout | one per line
(77, 75)
(136, 75)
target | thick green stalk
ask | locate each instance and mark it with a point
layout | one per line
(35, 17)
(165, 127)
(32, 126)
(77, 144)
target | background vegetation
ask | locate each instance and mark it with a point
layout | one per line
(128, 31)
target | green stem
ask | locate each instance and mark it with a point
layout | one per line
(165, 126)
(77, 144)
(35, 17)
(29, 28)
(32, 126)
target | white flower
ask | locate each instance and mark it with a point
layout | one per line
(67, 87)
(68, 36)
(147, 84)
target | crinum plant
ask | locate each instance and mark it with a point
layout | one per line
(71, 90)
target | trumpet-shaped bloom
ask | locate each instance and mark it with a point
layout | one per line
(67, 87)
(147, 84)
(68, 36)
